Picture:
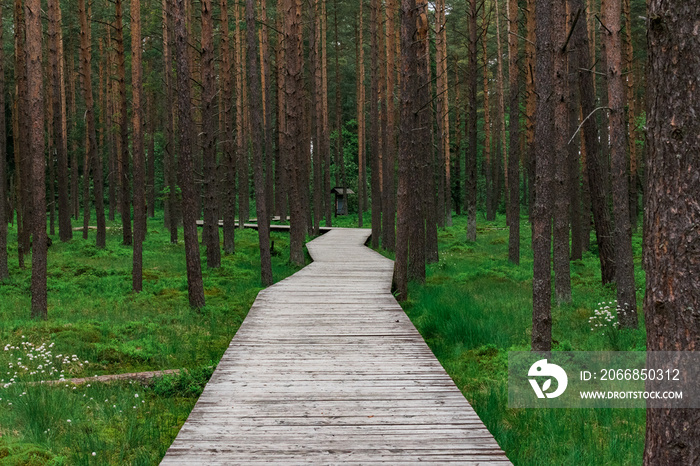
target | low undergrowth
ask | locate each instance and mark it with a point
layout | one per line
(476, 307)
(97, 326)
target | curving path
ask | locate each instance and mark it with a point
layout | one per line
(327, 368)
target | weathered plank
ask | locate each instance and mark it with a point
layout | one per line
(326, 369)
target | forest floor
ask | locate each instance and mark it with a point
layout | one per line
(473, 309)
(97, 326)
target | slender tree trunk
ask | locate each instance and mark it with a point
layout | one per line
(282, 181)
(267, 105)
(256, 108)
(374, 129)
(242, 151)
(596, 179)
(502, 151)
(137, 148)
(316, 104)
(433, 167)
(170, 161)
(489, 164)
(631, 114)
(325, 132)
(389, 209)
(295, 128)
(109, 118)
(4, 214)
(124, 127)
(36, 153)
(339, 153)
(65, 230)
(574, 168)
(514, 133)
(151, 163)
(361, 160)
(195, 285)
(531, 103)
(52, 151)
(624, 260)
(229, 152)
(23, 155)
(542, 211)
(210, 231)
(456, 193)
(672, 216)
(561, 188)
(443, 109)
(470, 160)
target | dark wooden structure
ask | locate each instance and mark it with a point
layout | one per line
(340, 199)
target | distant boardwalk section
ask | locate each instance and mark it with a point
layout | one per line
(327, 368)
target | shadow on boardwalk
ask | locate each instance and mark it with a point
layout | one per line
(327, 368)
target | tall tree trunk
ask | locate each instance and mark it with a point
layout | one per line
(124, 127)
(210, 231)
(295, 126)
(316, 104)
(573, 162)
(137, 148)
(281, 180)
(170, 160)
(361, 144)
(267, 105)
(470, 159)
(514, 133)
(229, 152)
(52, 151)
(151, 162)
(561, 187)
(325, 132)
(490, 170)
(456, 193)
(109, 110)
(256, 112)
(242, 150)
(374, 129)
(23, 134)
(672, 215)
(542, 211)
(413, 141)
(433, 167)
(501, 153)
(195, 286)
(443, 109)
(631, 112)
(4, 271)
(65, 230)
(624, 260)
(339, 153)
(531, 103)
(36, 153)
(596, 179)
(389, 208)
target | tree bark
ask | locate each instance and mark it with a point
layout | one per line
(229, 154)
(361, 158)
(471, 159)
(596, 178)
(281, 180)
(514, 130)
(561, 187)
(255, 101)
(65, 230)
(295, 129)
(413, 139)
(195, 286)
(32, 12)
(672, 215)
(389, 209)
(573, 162)
(631, 112)
(210, 231)
(170, 159)
(501, 152)
(542, 210)
(531, 103)
(374, 129)
(339, 153)
(316, 117)
(490, 172)
(443, 110)
(4, 271)
(624, 260)
(137, 148)
(242, 162)
(325, 131)
(124, 128)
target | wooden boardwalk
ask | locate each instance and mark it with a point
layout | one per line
(327, 369)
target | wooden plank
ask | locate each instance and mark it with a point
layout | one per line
(326, 369)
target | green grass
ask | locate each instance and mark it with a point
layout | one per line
(94, 315)
(476, 306)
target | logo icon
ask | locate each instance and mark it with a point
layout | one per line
(545, 369)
